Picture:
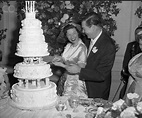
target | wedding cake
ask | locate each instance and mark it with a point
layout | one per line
(34, 90)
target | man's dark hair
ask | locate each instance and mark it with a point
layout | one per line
(92, 18)
(71, 26)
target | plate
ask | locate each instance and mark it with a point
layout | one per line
(85, 101)
(92, 110)
(99, 102)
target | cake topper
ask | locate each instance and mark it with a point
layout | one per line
(30, 6)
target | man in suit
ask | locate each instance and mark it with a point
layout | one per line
(101, 56)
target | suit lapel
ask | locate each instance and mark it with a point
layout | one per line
(97, 45)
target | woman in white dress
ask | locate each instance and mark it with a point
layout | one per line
(75, 53)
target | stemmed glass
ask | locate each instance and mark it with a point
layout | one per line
(74, 102)
(60, 106)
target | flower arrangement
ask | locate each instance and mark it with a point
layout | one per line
(2, 31)
(139, 11)
(129, 108)
(54, 15)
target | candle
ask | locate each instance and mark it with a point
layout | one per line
(26, 6)
(31, 6)
(34, 5)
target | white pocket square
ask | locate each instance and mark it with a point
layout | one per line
(94, 50)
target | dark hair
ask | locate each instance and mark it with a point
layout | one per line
(138, 36)
(71, 26)
(92, 18)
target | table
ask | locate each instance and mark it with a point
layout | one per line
(8, 111)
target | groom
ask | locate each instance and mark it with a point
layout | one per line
(101, 56)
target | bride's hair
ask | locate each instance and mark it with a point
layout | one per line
(71, 26)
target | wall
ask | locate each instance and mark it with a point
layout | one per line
(9, 22)
(126, 24)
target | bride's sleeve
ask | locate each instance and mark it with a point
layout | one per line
(82, 56)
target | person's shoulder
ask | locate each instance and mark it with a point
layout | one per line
(82, 46)
(67, 45)
(130, 44)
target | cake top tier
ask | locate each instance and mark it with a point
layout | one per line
(31, 40)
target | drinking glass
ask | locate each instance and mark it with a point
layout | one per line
(74, 102)
(60, 106)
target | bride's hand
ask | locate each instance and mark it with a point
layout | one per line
(57, 63)
(57, 58)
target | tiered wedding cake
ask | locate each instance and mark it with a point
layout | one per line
(34, 90)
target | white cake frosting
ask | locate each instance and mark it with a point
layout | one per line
(34, 90)
(27, 49)
(32, 71)
(32, 41)
(34, 98)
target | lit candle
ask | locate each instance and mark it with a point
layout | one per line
(30, 6)
(26, 6)
(33, 5)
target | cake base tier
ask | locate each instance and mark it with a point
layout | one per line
(34, 99)
(14, 105)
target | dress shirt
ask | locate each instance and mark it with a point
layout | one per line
(93, 41)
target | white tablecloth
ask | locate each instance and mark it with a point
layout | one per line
(8, 111)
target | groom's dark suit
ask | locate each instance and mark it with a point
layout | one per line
(97, 73)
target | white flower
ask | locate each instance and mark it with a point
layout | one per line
(118, 104)
(132, 95)
(139, 107)
(100, 110)
(128, 113)
(94, 50)
(64, 18)
(67, 2)
(68, 5)
(94, 9)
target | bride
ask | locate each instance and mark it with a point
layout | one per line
(75, 53)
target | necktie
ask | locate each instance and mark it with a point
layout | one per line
(90, 46)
